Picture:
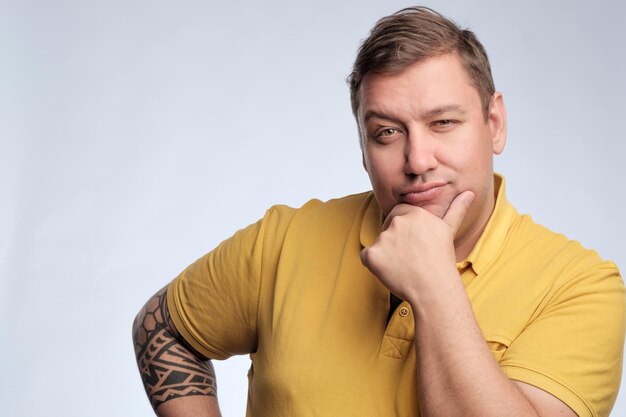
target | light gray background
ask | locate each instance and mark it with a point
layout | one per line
(136, 135)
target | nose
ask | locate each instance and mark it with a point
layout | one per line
(419, 154)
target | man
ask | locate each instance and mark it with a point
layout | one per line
(430, 296)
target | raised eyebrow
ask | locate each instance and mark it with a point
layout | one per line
(370, 114)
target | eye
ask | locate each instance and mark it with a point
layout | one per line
(444, 124)
(385, 134)
(390, 131)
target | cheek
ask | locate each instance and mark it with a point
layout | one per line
(466, 156)
(384, 161)
(381, 173)
(382, 179)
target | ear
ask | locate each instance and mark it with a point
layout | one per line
(497, 123)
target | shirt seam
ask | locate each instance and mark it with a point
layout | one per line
(209, 352)
(261, 275)
(556, 381)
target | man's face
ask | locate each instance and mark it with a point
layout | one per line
(425, 138)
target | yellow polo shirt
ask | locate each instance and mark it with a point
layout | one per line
(290, 291)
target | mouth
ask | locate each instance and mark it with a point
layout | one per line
(420, 194)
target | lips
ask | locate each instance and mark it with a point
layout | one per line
(419, 194)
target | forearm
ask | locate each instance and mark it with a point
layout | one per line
(177, 381)
(460, 376)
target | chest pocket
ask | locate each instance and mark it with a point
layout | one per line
(498, 346)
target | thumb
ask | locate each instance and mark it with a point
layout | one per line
(457, 210)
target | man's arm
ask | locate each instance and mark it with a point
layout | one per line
(414, 257)
(178, 380)
(463, 377)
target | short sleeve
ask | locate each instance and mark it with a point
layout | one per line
(214, 302)
(573, 349)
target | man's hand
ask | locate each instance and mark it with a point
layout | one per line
(416, 247)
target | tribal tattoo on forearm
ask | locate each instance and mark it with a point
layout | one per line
(168, 366)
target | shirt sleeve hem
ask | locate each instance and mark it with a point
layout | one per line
(173, 306)
(539, 380)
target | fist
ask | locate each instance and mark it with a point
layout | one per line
(415, 250)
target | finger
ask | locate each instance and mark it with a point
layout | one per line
(388, 219)
(364, 258)
(397, 210)
(457, 210)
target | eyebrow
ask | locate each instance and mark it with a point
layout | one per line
(437, 111)
(429, 114)
(370, 114)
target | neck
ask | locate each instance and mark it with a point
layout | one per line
(469, 234)
(464, 245)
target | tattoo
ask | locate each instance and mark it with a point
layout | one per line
(169, 367)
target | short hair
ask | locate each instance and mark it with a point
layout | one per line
(414, 34)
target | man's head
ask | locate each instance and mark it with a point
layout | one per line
(413, 35)
(429, 118)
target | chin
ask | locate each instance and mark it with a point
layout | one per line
(436, 210)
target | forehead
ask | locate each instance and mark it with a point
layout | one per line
(436, 82)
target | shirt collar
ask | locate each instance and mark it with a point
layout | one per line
(489, 243)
